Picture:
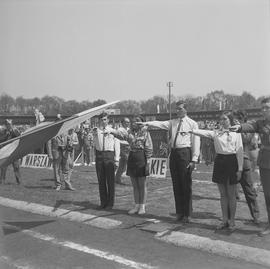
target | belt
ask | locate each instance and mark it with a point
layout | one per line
(136, 150)
(102, 151)
(180, 148)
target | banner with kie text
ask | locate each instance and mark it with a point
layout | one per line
(158, 162)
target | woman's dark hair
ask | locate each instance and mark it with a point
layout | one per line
(103, 114)
(230, 116)
(124, 119)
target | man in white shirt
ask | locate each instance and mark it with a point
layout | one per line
(107, 159)
(185, 150)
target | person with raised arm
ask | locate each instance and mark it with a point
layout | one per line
(185, 150)
(262, 127)
(228, 166)
(107, 160)
(246, 179)
(140, 152)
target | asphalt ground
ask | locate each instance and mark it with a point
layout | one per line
(38, 187)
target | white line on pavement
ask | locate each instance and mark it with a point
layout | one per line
(231, 250)
(96, 221)
(86, 249)
(202, 172)
(202, 181)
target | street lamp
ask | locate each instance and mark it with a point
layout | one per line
(170, 85)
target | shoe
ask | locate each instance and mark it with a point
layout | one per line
(222, 226)
(186, 219)
(231, 228)
(70, 188)
(265, 232)
(58, 188)
(85, 164)
(256, 221)
(134, 210)
(179, 217)
(141, 209)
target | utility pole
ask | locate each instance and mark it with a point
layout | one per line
(170, 85)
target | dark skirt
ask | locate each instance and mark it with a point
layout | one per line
(136, 164)
(225, 169)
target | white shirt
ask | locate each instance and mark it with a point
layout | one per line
(110, 142)
(225, 142)
(184, 137)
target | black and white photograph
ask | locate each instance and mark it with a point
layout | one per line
(134, 134)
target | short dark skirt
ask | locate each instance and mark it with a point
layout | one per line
(136, 164)
(225, 169)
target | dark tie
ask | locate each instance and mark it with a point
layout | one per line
(176, 134)
(103, 146)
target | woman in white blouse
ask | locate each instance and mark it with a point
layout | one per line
(228, 166)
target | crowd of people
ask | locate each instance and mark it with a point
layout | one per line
(232, 145)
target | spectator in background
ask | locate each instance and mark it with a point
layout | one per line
(254, 152)
(87, 145)
(78, 150)
(58, 117)
(124, 151)
(207, 146)
(246, 180)
(9, 132)
(228, 166)
(39, 119)
(107, 159)
(39, 116)
(60, 151)
(75, 140)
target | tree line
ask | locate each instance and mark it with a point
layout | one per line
(52, 105)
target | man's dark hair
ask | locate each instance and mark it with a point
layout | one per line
(181, 102)
(124, 119)
(103, 114)
(230, 116)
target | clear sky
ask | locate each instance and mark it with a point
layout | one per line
(129, 49)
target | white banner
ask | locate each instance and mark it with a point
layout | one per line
(36, 161)
(158, 167)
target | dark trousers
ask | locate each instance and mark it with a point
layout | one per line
(105, 174)
(181, 179)
(248, 189)
(265, 180)
(16, 169)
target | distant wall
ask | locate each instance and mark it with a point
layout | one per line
(253, 113)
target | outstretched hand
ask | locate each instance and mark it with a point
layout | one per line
(235, 128)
